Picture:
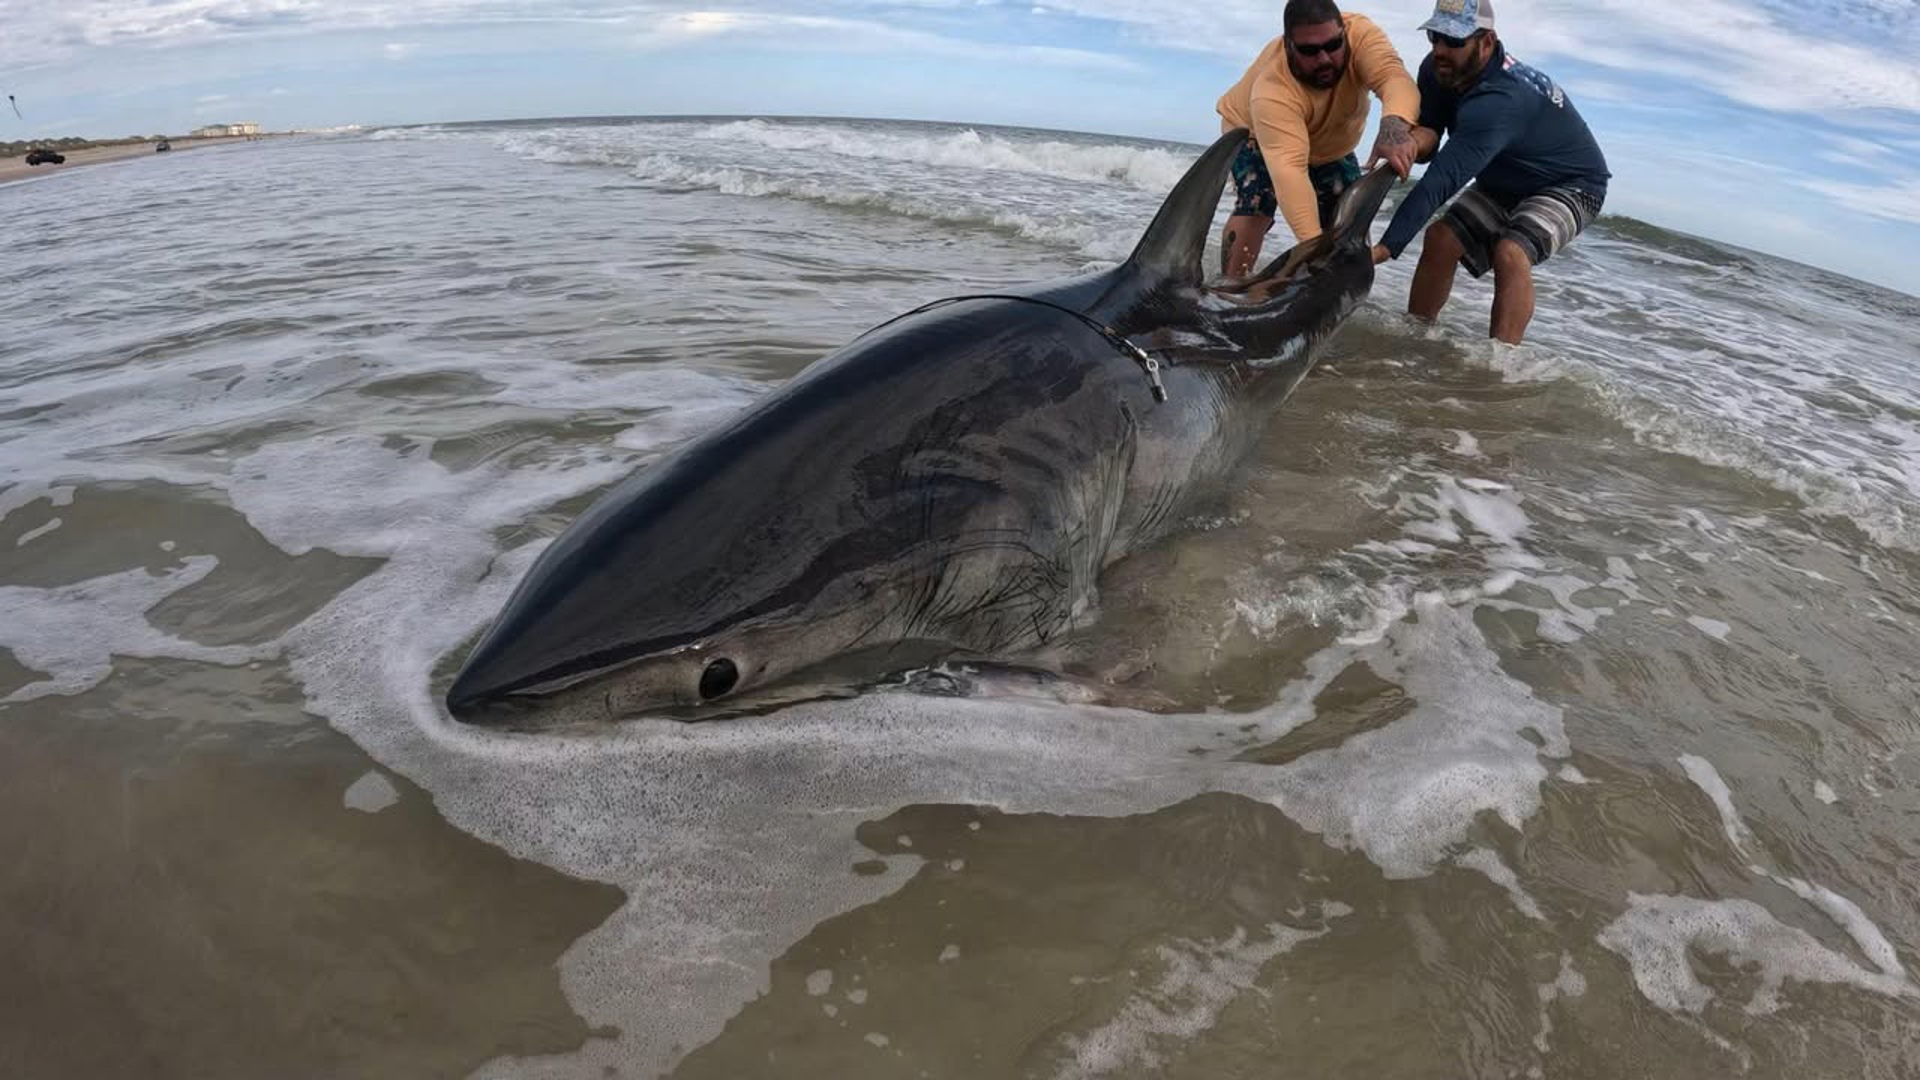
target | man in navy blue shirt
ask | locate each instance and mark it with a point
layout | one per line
(1538, 176)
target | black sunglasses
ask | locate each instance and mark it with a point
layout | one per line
(1451, 42)
(1305, 49)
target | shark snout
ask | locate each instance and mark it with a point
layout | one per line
(472, 703)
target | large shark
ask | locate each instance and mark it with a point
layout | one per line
(949, 484)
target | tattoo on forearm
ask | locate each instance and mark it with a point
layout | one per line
(1395, 132)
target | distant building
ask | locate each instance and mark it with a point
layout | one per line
(220, 131)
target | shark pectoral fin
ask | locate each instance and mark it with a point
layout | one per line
(1360, 204)
(1173, 244)
(1261, 286)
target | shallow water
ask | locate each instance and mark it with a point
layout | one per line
(1538, 712)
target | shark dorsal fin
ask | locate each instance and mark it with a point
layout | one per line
(1174, 242)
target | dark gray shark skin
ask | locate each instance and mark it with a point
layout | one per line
(950, 484)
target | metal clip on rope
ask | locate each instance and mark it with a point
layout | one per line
(1150, 363)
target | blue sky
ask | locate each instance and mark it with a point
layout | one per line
(1789, 127)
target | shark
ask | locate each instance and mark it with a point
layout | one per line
(949, 485)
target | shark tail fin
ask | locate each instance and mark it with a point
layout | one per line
(1174, 242)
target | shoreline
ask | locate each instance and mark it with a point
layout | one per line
(14, 169)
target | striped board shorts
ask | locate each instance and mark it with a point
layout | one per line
(1541, 223)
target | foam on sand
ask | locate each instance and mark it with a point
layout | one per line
(1200, 980)
(1656, 933)
(1488, 864)
(1845, 913)
(1707, 779)
(371, 794)
(71, 633)
(1569, 984)
(31, 535)
(1406, 793)
(1713, 628)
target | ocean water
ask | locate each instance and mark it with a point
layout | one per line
(1517, 713)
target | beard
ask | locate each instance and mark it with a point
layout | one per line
(1325, 78)
(1459, 77)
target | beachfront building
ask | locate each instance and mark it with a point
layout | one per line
(221, 131)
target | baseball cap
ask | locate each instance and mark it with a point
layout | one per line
(1460, 18)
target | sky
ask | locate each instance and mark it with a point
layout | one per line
(1788, 126)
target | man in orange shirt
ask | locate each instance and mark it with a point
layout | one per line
(1305, 101)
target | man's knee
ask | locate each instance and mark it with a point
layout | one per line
(1443, 242)
(1247, 230)
(1509, 257)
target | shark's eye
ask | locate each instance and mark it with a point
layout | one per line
(719, 678)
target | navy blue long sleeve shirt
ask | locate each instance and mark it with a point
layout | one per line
(1514, 131)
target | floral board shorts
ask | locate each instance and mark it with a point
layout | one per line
(1254, 185)
(1541, 223)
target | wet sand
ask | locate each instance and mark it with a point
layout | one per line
(16, 168)
(235, 899)
(208, 881)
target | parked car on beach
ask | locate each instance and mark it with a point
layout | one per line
(162, 147)
(46, 157)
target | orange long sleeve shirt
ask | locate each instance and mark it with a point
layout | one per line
(1296, 126)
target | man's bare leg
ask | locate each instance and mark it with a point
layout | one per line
(1512, 292)
(1433, 278)
(1240, 244)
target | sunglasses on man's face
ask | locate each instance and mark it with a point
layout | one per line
(1438, 38)
(1332, 46)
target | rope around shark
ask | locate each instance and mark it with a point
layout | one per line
(1147, 362)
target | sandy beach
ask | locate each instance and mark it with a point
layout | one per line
(16, 168)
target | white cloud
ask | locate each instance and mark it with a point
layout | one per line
(1857, 147)
(40, 30)
(1607, 90)
(398, 50)
(209, 104)
(1847, 161)
(1730, 47)
(1754, 52)
(1889, 202)
(1761, 205)
(679, 29)
(1706, 165)
(35, 27)
(1742, 53)
(673, 29)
